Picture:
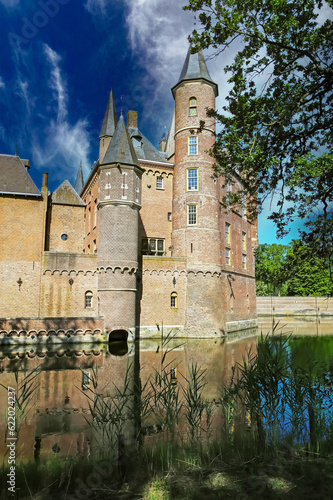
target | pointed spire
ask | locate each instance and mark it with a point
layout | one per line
(195, 68)
(121, 149)
(110, 118)
(78, 186)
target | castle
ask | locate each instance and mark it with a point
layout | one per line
(144, 245)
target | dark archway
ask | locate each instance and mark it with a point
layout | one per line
(118, 335)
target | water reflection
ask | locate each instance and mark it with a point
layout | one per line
(57, 420)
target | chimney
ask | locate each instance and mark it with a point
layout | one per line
(132, 119)
(45, 177)
(26, 163)
(162, 145)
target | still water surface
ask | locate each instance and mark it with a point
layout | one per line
(56, 421)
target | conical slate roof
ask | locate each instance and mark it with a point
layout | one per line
(195, 68)
(110, 118)
(78, 186)
(66, 195)
(121, 149)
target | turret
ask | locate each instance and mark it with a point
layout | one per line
(108, 127)
(196, 230)
(119, 204)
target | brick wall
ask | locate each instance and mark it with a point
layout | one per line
(90, 197)
(66, 220)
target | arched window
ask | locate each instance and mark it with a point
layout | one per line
(174, 297)
(193, 106)
(88, 300)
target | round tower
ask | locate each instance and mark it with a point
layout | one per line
(119, 204)
(196, 212)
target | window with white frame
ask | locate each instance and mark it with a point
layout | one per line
(159, 182)
(243, 261)
(228, 256)
(192, 179)
(192, 215)
(193, 145)
(227, 232)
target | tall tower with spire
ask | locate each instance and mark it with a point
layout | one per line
(119, 204)
(108, 127)
(196, 231)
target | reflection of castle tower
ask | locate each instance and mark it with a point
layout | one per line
(118, 206)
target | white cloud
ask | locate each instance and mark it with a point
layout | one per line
(24, 93)
(95, 7)
(56, 81)
(2, 83)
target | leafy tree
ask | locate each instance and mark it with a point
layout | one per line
(270, 274)
(307, 272)
(277, 126)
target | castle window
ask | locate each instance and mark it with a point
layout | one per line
(192, 179)
(243, 261)
(88, 300)
(193, 106)
(227, 232)
(152, 246)
(244, 241)
(227, 257)
(174, 297)
(192, 215)
(159, 182)
(193, 145)
(169, 217)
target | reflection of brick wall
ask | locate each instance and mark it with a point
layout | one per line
(295, 306)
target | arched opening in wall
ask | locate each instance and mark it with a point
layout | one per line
(174, 300)
(88, 300)
(118, 335)
(193, 106)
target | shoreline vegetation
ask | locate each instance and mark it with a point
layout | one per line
(270, 435)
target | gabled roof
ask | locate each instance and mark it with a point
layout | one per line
(110, 118)
(195, 68)
(65, 194)
(143, 148)
(14, 177)
(78, 186)
(121, 149)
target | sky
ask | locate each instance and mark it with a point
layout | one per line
(58, 61)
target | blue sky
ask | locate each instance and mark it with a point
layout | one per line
(58, 60)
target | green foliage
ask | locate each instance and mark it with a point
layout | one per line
(277, 124)
(294, 269)
(270, 273)
(308, 274)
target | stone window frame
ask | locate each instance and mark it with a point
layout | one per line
(244, 241)
(227, 232)
(244, 263)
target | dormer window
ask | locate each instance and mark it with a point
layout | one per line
(193, 106)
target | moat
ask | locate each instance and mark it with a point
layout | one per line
(57, 419)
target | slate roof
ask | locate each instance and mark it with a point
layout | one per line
(65, 194)
(15, 178)
(110, 118)
(78, 186)
(144, 149)
(195, 68)
(121, 149)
